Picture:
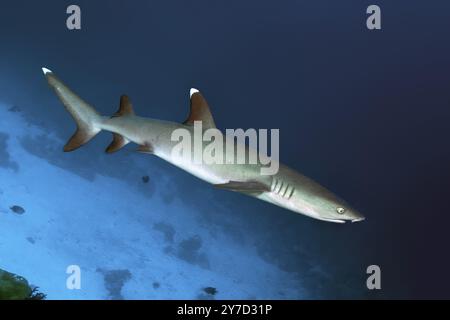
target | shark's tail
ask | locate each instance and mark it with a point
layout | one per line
(87, 119)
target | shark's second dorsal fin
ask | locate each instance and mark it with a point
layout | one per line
(126, 108)
(199, 111)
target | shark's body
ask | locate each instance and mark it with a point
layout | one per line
(287, 188)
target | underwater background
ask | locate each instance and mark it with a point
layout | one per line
(365, 113)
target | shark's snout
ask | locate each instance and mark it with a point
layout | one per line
(359, 219)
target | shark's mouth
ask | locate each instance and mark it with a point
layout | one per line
(342, 221)
(333, 220)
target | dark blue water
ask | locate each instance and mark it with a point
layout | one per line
(365, 113)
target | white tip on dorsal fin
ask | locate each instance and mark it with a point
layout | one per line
(192, 91)
(45, 70)
(199, 110)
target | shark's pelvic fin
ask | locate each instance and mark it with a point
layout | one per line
(86, 118)
(125, 108)
(118, 143)
(145, 148)
(248, 187)
(199, 111)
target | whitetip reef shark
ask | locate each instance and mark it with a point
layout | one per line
(287, 188)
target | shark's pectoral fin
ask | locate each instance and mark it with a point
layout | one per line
(118, 143)
(145, 148)
(247, 187)
(199, 111)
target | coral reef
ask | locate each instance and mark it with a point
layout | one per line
(14, 287)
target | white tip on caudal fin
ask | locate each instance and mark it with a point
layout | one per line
(45, 70)
(193, 90)
(85, 116)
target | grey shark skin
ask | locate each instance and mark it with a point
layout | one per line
(287, 188)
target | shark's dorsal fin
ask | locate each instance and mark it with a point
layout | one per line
(247, 187)
(126, 108)
(199, 111)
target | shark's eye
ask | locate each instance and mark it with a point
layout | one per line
(340, 210)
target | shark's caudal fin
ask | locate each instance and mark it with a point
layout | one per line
(86, 118)
(199, 110)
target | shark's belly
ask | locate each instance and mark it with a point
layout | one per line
(214, 173)
(219, 172)
(282, 185)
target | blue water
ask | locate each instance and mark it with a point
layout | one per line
(365, 113)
